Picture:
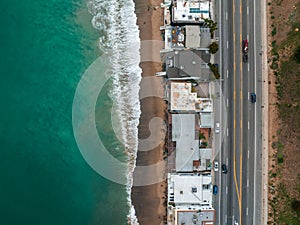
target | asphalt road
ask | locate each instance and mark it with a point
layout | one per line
(238, 145)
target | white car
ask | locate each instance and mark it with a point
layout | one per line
(217, 128)
(216, 166)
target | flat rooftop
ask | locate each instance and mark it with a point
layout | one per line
(188, 189)
(187, 145)
(206, 119)
(182, 97)
(190, 11)
(191, 217)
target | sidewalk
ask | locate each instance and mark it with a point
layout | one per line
(265, 114)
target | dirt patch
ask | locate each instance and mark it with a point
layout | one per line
(284, 112)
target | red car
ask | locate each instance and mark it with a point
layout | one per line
(245, 46)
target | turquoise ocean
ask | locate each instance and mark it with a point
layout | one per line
(45, 48)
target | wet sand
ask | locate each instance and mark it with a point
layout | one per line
(149, 201)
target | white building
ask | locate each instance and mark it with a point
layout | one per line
(190, 199)
(183, 99)
(190, 11)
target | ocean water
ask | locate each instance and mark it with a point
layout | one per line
(45, 48)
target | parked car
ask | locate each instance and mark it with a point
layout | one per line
(217, 128)
(216, 166)
(253, 97)
(224, 168)
(215, 189)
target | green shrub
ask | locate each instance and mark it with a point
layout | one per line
(274, 65)
(213, 47)
(297, 54)
(274, 31)
(280, 157)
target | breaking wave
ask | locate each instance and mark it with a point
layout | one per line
(116, 22)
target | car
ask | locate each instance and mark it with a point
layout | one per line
(245, 57)
(253, 97)
(216, 166)
(245, 46)
(224, 168)
(217, 128)
(215, 189)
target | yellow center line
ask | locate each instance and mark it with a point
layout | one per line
(234, 107)
(241, 111)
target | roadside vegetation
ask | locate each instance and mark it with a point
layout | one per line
(214, 70)
(213, 47)
(284, 62)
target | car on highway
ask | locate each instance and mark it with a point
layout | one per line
(245, 46)
(217, 128)
(245, 50)
(253, 97)
(216, 166)
(224, 168)
(215, 189)
(245, 58)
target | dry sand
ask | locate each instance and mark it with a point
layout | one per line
(149, 201)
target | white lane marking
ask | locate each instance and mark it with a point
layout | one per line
(227, 102)
(226, 15)
(248, 95)
(248, 154)
(227, 71)
(247, 36)
(248, 67)
(247, 10)
(227, 44)
(248, 182)
(247, 211)
(220, 90)
(226, 190)
(248, 125)
(227, 160)
(227, 132)
(255, 116)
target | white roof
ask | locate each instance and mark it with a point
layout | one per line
(191, 11)
(191, 189)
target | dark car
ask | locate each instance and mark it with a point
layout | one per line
(215, 189)
(245, 57)
(224, 168)
(253, 97)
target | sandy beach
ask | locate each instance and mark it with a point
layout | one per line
(149, 201)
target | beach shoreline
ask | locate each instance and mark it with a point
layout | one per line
(149, 201)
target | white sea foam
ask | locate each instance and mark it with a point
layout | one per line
(116, 21)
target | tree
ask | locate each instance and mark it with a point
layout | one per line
(215, 70)
(211, 25)
(213, 47)
(202, 136)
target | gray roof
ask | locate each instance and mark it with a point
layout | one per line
(188, 64)
(197, 37)
(195, 217)
(206, 120)
(187, 145)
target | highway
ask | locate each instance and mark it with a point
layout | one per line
(238, 145)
